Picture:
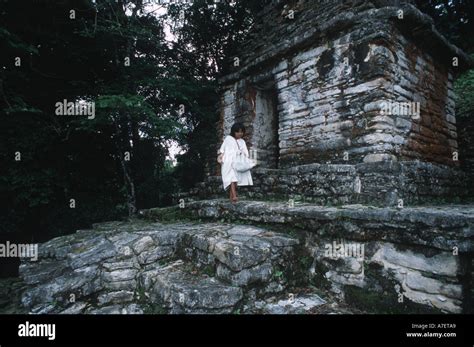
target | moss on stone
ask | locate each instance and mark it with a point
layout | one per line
(167, 215)
(380, 296)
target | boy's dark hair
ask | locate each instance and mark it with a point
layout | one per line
(236, 127)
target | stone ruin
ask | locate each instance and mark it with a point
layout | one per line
(350, 108)
(349, 105)
(361, 91)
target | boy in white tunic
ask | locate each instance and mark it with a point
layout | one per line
(231, 146)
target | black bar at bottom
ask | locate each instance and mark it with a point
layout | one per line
(452, 330)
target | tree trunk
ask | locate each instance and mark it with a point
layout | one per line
(129, 184)
(131, 196)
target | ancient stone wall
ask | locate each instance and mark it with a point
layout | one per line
(428, 132)
(380, 184)
(466, 148)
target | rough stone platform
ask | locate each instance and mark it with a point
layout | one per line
(260, 257)
(146, 267)
(421, 254)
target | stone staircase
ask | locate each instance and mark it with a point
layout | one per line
(148, 267)
(222, 266)
(212, 256)
(411, 259)
(181, 290)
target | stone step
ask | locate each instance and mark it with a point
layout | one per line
(414, 256)
(96, 271)
(294, 304)
(443, 227)
(180, 290)
(143, 266)
(244, 256)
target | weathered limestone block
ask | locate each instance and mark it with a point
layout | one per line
(300, 304)
(145, 243)
(237, 257)
(158, 253)
(77, 308)
(444, 264)
(79, 282)
(258, 274)
(435, 290)
(90, 252)
(129, 284)
(50, 268)
(119, 275)
(115, 297)
(185, 293)
(116, 309)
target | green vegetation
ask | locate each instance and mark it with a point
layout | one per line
(464, 89)
(147, 92)
(147, 305)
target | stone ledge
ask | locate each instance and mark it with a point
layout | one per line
(441, 227)
(417, 254)
(378, 184)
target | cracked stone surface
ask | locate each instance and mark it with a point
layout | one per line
(424, 251)
(142, 266)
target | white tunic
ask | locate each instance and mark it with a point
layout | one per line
(229, 174)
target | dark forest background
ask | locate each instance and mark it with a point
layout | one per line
(167, 93)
